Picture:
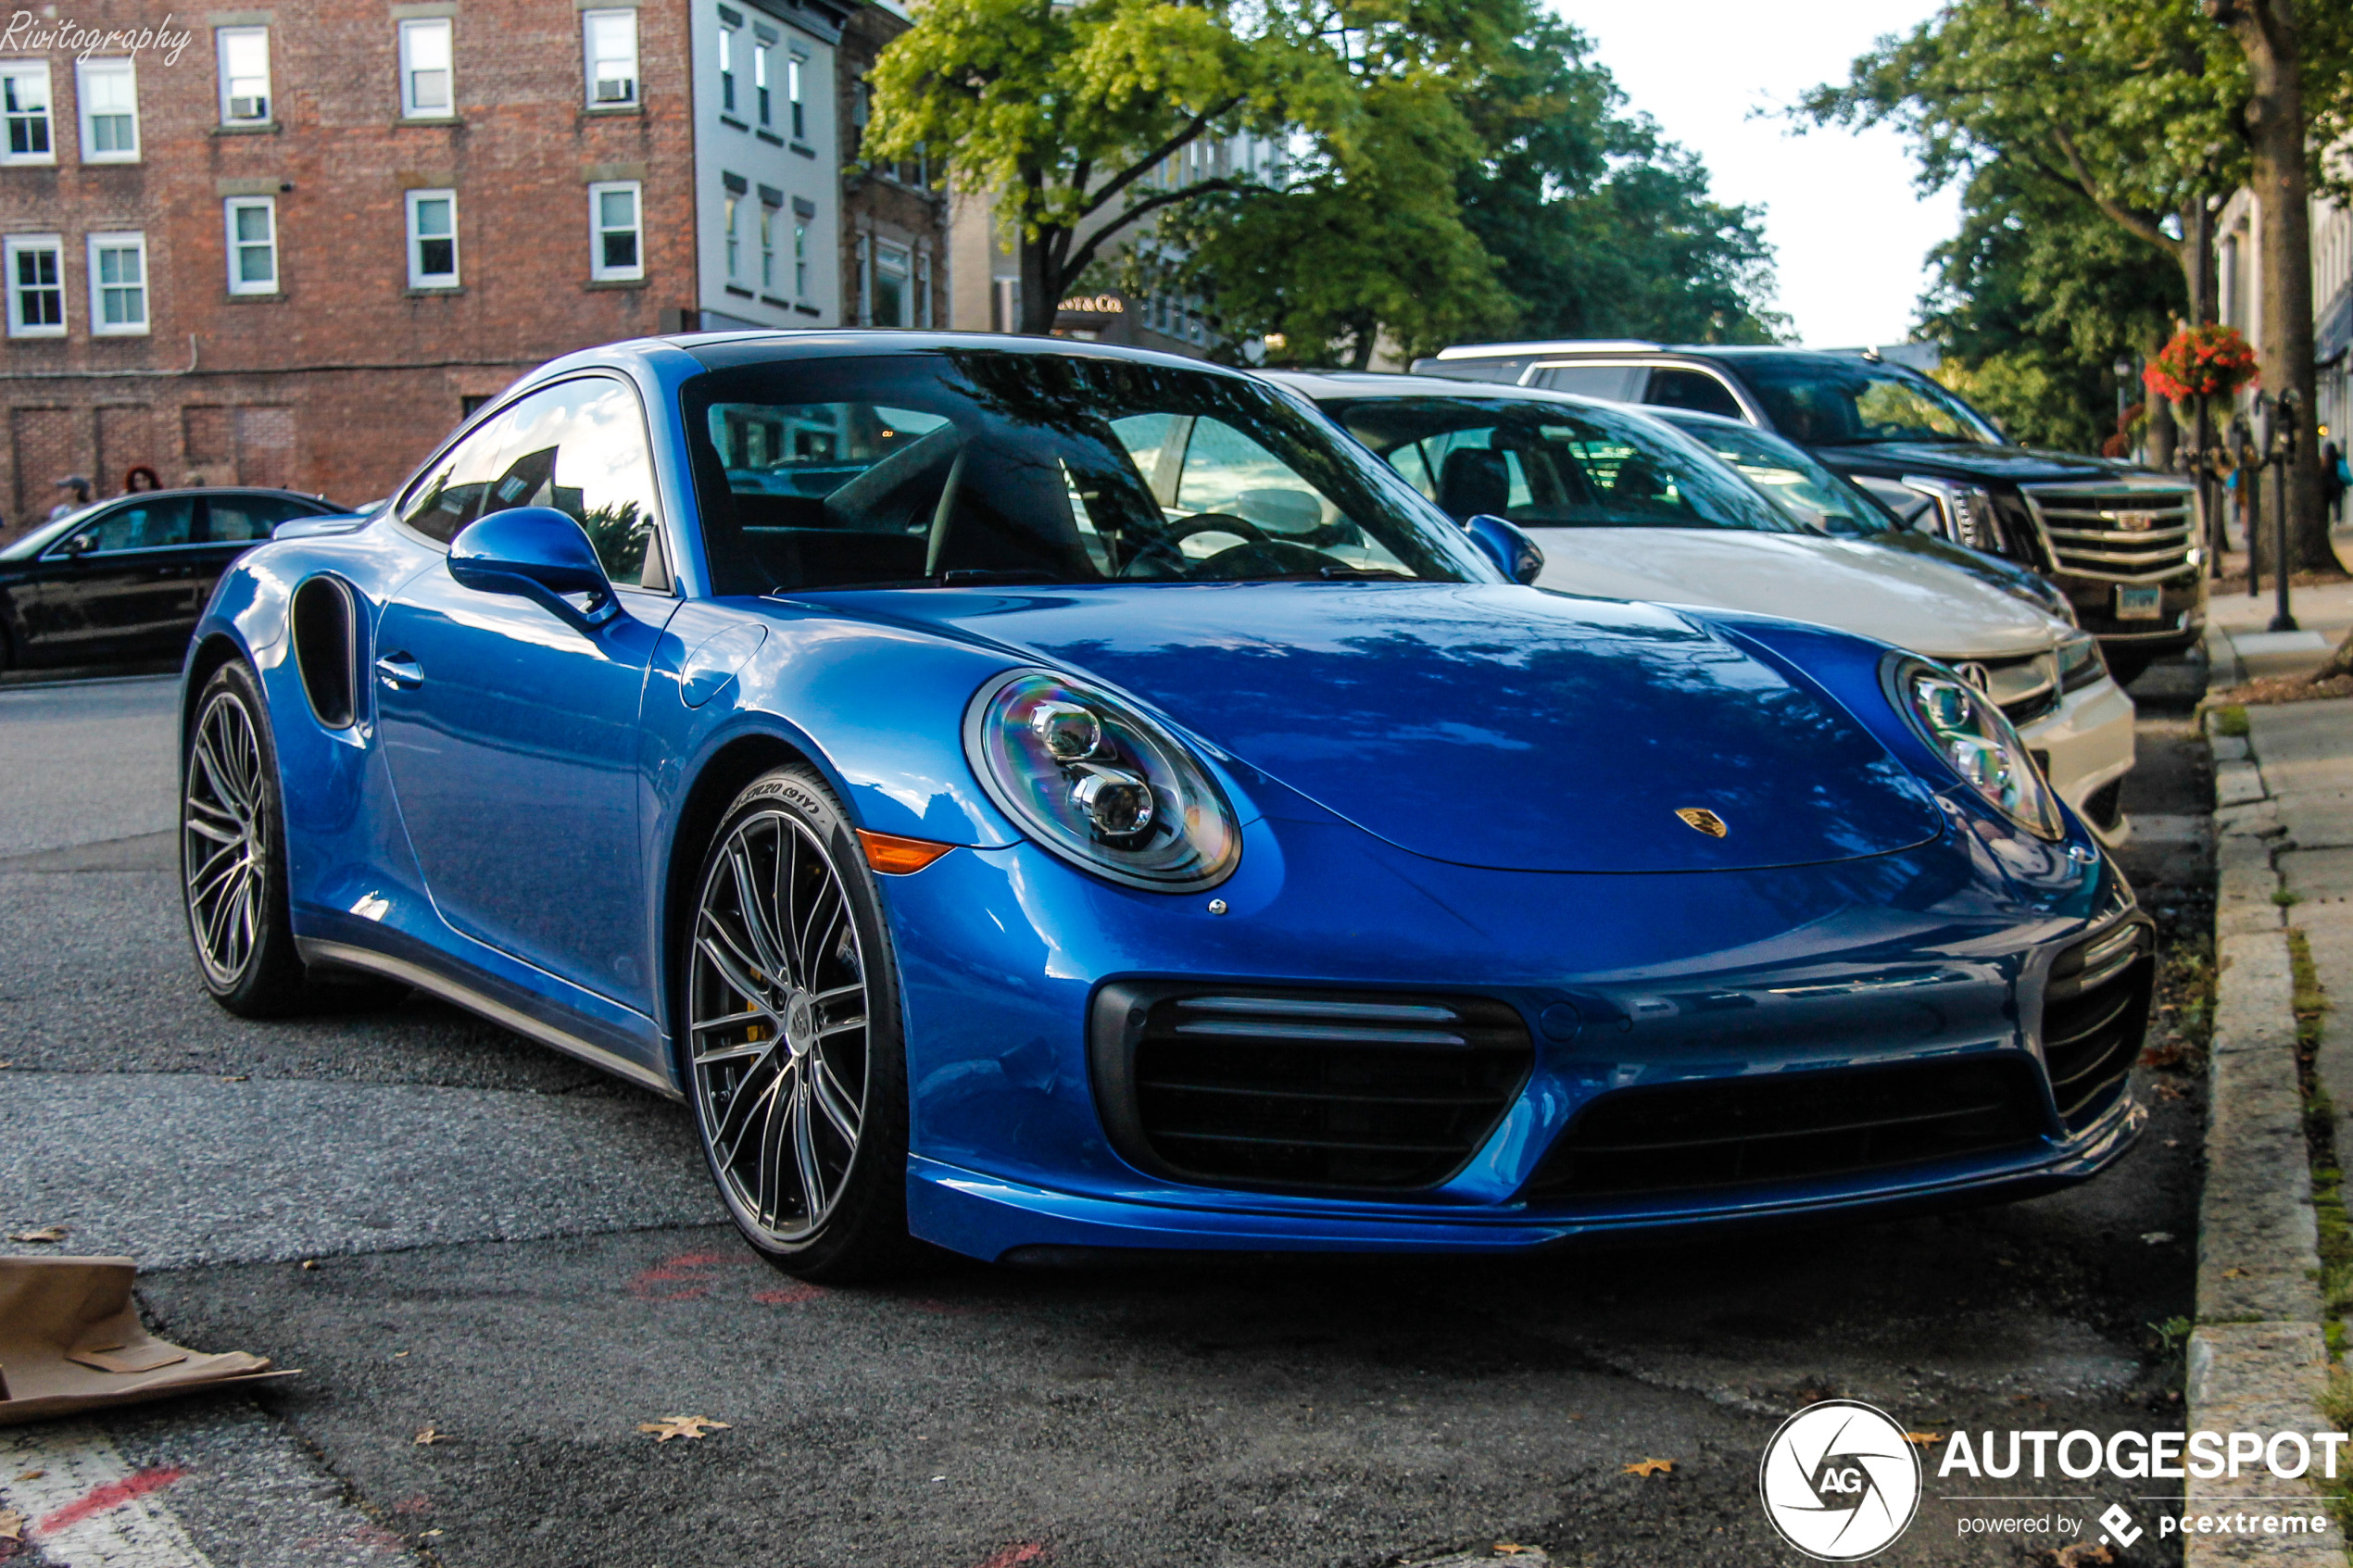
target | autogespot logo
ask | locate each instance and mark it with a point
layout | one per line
(1839, 1480)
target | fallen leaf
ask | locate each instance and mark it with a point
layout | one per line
(2157, 1238)
(11, 1523)
(47, 1233)
(2173, 1143)
(2235, 1274)
(1513, 1548)
(671, 1426)
(1923, 1439)
(398, 1354)
(2082, 1554)
(237, 1077)
(427, 1534)
(310, 1263)
(432, 1435)
(1650, 1467)
(2171, 1091)
(2007, 1262)
(32, 1475)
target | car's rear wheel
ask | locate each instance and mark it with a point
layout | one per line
(795, 1062)
(233, 862)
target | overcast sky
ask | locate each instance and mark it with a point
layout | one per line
(1850, 234)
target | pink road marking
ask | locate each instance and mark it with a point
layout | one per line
(114, 1494)
(1028, 1552)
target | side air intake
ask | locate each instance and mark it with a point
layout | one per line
(324, 650)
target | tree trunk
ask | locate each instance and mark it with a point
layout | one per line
(2266, 33)
(1042, 281)
(2198, 277)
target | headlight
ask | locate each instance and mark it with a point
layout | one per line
(2080, 664)
(1961, 726)
(1966, 510)
(1100, 785)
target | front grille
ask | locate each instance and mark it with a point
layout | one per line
(2024, 689)
(1364, 1091)
(1788, 1126)
(2096, 1011)
(2119, 533)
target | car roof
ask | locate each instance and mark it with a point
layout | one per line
(717, 350)
(1599, 345)
(1329, 385)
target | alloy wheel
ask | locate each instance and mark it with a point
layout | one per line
(779, 1034)
(221, 851)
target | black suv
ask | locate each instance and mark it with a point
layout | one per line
(2122, 542)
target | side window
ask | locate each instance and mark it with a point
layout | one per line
(1695, 390)
(580, 447)
(231, 519)
(148, 525)
(1616, 382)
(450, 494)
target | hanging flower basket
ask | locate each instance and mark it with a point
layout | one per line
(2208, 361)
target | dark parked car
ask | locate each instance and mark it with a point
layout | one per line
(2120, 541)
(126, 579)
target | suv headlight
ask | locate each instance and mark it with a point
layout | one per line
(1961, 726)
(2080, 664)
(1967, 511)
(1098, 784)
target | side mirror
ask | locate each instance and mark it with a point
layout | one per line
(80, 545)
(539, 554)
(1507, 545)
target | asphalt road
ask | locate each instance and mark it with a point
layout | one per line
(525, 1256)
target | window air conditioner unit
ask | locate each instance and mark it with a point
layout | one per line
(249, 109)
(620, 92)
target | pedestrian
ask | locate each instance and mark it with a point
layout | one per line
(80, 488)
(140, 477)
(2333, 480)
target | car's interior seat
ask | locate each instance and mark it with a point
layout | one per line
(1474, 479)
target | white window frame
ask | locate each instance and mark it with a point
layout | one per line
(591, 58)
(136, 242)
(796, 71)
(84, 73)
(596, 231)
(223, 37)
(727, 104)
(762, 101)
(238, 283)
(32, 71)
(800, 257)
(413, 30)
(418, 277)
(730, 219)
(888, 254)
(11, 246)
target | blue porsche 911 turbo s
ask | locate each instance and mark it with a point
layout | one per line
(1037, 798)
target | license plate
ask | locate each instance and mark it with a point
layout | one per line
(2139, 604)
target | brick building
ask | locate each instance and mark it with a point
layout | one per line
(292, 244)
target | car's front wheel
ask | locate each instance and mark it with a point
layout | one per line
(232, 839)
(794, 1059)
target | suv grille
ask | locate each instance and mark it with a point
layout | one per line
(2117, 533)
(2094, 1012)
(1361, 1090)
(1788, 1126)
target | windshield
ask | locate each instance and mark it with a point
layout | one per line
(1824, 400)
(1546, 464)
(1791, 479)
(988, 466)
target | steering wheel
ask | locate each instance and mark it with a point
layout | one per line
(1260, 557)
(1163, 551)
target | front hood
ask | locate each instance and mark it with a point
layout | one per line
(1937, 459)
(1488, 725)
(1911, 601)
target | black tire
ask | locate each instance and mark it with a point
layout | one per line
(820, 1188)
(2127, 668)
(233, 851)
(233, 865)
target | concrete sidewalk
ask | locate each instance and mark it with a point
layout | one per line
(2284, 851)
(2241, 648)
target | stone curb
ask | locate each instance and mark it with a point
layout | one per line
(2258, 1361)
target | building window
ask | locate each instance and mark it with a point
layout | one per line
(433, 239)
(923, 289)
(893, 268)
(618, 250)
(726, 63)
(762, 107)
(245, 74)
(865, 282)
(24, 103)
(730, 210)
(117, 285)
(36, 286)
(792, 97)
(800, 262)
(610, 39)
(109, 95)
(253, 244)
(425, 69)
(767, 248)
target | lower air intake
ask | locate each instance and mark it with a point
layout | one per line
(1788, 1126)
(1314, 1090)
(2095, 1012)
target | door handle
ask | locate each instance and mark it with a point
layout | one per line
(397, 670)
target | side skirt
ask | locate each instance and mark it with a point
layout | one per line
(345, 956)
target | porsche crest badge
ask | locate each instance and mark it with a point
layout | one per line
(1705, 820)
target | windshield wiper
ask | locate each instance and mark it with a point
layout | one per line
(970, 576)
(1387, 573)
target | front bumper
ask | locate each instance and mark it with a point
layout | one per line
(2180, 621)
(2085, 744)
(1928, 955)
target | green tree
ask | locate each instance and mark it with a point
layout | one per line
(1080, 116)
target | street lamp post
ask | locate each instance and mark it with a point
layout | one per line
(2123, 368)
(2276, 424)
(2246, 463)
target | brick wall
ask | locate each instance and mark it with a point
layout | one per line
(339, 382)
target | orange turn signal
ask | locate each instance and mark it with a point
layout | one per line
(893, 856)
